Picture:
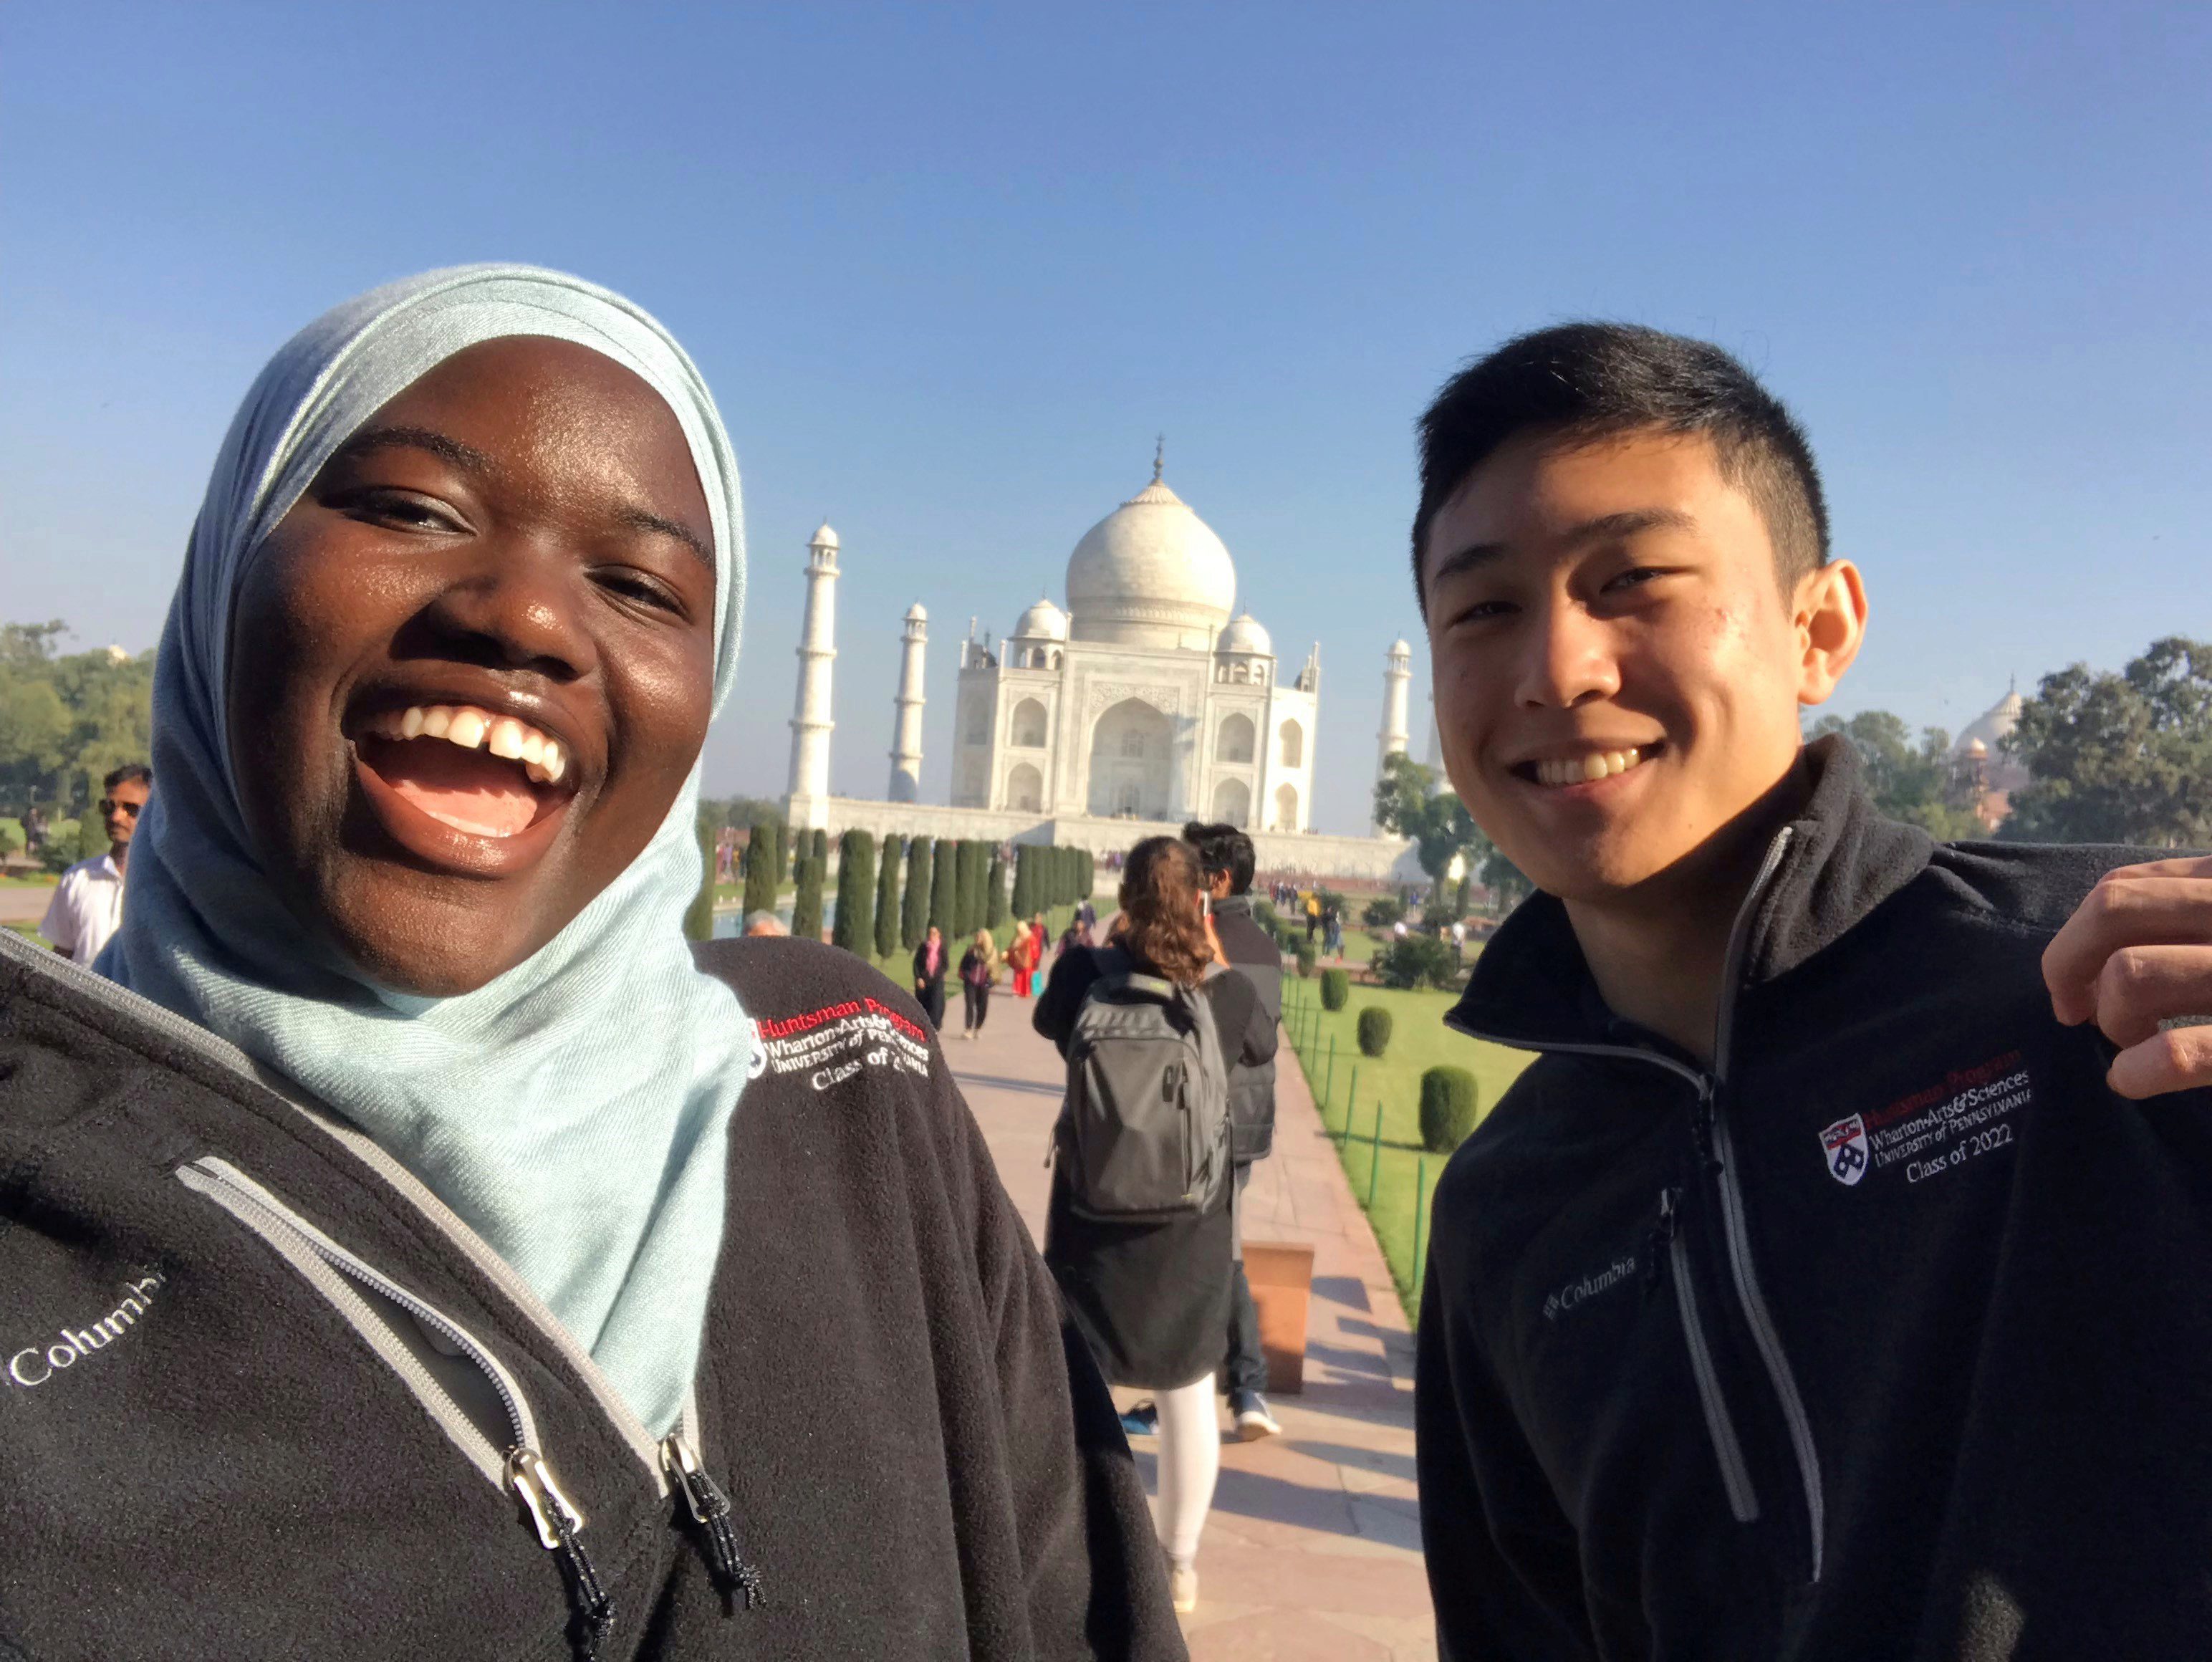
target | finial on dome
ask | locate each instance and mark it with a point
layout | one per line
(1159, 457)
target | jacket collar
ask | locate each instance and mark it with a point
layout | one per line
(1824, 871)
(1233, 905)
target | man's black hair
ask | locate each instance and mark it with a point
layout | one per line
(1223, 848)
(1593, 381)
(130, 773)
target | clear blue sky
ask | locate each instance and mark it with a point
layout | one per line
(948, 270)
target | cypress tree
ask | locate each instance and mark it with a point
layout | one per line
(699, 916)
(995, 894)
(807, 900)
(914, 914)
(1086, 874)
(854, 927)
(963, 888)
(1025, 882)
(943, 890)
(782, 853)
(821, 848)
(887, 899)
(760, 869)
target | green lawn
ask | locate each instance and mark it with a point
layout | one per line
(1328, 1049)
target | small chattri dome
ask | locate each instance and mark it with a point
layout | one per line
(914, 614)
(1042, 622)
(1245, 635)
(825, 537)
(1400, 650)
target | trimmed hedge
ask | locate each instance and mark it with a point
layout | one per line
(1374, 1029)
(1448, 1108)
(888, 914)
(699, 916)
(944, 888)
(854, 927)
(913, 911)
(1417, 960)
(1306, 960)
(1335, 989)
(760, 867)
(806, 899)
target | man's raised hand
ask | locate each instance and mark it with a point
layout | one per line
(2138, 952)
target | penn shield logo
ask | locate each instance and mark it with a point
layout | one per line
(1845, 1147)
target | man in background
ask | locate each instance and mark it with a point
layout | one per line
(1225, 854)
(87, 906)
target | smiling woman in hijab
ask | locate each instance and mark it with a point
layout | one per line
(412, 1248)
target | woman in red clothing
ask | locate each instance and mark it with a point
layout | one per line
(1022, 957)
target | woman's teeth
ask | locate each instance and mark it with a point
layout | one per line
(542, 759)
(1585, 770)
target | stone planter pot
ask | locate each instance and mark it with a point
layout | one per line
(1281, 1277)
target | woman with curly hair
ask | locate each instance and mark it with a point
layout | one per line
(1152, 1298)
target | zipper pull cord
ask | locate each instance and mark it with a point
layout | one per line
(556, 1521)
(1701, 1131)
(1660, 1240)
(710, 1510)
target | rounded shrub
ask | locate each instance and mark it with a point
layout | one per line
(1374, 1029)
(1307, 960)
(1448, 1105)
(1335, 989)
(1417, 960)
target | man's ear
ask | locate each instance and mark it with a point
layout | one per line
(1830, 617)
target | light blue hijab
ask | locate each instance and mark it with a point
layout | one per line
(575, 1112)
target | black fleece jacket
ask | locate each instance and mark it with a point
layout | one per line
(1886, 1337)
(259, 1394)
(1259, 957)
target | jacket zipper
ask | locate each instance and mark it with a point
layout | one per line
(1722, 1164)
(101, 991)
(557, 1519)
(1736, 1470)
(1756, 1314)
(710, 1510)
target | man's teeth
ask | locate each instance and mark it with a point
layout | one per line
(1583, 770)
(542, 759)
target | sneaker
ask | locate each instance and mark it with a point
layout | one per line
(1253, 1420)
(1182, 1587)
(1142, 1420)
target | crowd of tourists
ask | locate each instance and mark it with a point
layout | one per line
(411, 1245)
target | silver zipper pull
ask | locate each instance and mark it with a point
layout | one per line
(710, 1509)
(529, 1477)
(681, 1463)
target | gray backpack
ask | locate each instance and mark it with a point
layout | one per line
(1144, 1136)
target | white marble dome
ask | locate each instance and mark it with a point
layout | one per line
(1151, 573)
(1245, 635)
(825, 537)
(1042, 622)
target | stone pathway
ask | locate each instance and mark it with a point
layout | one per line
(1313, 1550)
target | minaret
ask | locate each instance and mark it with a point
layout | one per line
(808, 806)
(1397, 683)
(906, 725)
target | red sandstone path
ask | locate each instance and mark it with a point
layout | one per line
(1313, 1550)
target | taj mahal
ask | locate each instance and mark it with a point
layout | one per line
(1149, 699)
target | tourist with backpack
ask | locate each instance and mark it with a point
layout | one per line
(1139, 1230)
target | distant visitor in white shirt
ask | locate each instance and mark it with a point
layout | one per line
(88, 907)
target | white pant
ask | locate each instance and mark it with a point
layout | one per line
(1190, 1460)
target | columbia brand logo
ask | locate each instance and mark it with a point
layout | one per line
(1575, 1292)
(35, 1364)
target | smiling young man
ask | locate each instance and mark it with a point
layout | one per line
(1825, 1289)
